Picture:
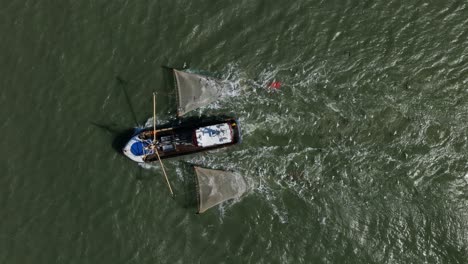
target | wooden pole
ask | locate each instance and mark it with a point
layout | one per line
(154, 118)
(164, 171)
(156, 147)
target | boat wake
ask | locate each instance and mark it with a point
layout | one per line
(337, 153)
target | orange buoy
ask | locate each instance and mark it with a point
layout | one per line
(275, 85)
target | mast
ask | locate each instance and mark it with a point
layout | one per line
(155, 147)
(154, 118)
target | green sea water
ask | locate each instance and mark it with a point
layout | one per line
(360, 157)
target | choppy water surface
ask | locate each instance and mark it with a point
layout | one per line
(361, 157)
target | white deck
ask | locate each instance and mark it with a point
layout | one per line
(214, 135)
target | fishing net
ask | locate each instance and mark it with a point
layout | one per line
(195, 91)
(217, 186)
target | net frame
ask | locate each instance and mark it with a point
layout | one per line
(205, 91)
(177, 92)
(215, 199)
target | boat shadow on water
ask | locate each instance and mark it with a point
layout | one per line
(119, 136)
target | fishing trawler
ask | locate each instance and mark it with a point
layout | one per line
(194, 91)
(192, 136)
(150, 144)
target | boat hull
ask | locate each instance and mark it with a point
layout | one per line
(183, 139)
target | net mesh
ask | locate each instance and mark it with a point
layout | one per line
(195, 91)
(217, 186)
